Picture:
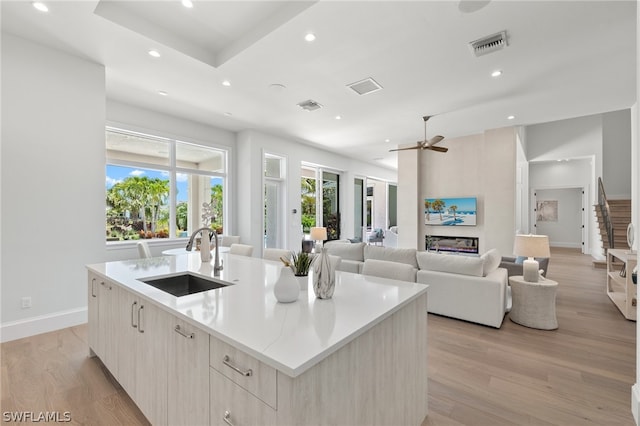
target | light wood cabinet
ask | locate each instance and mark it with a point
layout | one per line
(188, 375)
(142, 359)
(620, 288)
(107, 335)
(92, 303)
(233, 405)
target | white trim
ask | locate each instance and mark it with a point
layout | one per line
(635, 403)
(42, 324)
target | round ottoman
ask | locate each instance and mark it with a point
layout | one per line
(534, 304)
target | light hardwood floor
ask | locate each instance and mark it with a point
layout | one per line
(580, 374)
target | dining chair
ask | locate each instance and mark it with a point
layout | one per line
(275, 254)
(241, 249)
(387, 269)
(143, 250)
(227, 240)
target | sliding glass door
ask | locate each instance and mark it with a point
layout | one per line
(331, 204)
(320, 200)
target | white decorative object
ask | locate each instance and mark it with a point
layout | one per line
(531, 246)
(286, 288)
(205, 247)
(324, 276)
(303, 281)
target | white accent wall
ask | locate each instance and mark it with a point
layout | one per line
(53, 118)
(481, 166)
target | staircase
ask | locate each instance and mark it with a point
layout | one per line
(615, 215)
(620, 214)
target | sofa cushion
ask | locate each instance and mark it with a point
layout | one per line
(451, 263)
(490, 261)
(401, 255)
(385, 269)
(347, 251)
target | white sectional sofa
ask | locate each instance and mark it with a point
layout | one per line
(468, 288)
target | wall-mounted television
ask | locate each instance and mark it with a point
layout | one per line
(459, 211)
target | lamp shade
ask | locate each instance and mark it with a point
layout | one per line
(318, 233)
(531, 246)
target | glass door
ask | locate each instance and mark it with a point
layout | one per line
(331, 204)
(358, 208)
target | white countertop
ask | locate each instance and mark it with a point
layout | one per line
(290, 337)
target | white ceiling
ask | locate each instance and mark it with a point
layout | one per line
(565, 59)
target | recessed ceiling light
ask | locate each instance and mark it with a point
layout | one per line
(40, 6)
(387, 140)
(162, 93)
(511, 117)
(187, 3)
(338, 117)
(496, 73)
(226, 83)
(310, 37)
(154, 53)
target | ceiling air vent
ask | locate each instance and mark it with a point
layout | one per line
(362, 87)
(489, 44)
(309, 105)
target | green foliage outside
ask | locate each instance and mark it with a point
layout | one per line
(137, 208)
(308, 204)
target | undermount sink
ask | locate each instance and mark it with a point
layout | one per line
(184, 284)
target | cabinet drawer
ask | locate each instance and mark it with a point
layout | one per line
(232, 405)
(251, 374)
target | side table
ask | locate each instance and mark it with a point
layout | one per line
(534, 304)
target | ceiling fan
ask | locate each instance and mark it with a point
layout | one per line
(426, 143)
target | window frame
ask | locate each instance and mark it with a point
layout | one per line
(173, 171)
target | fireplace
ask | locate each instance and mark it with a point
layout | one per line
(451, 244)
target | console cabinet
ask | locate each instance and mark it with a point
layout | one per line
(620, 288)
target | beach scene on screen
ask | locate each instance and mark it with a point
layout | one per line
(450, 211)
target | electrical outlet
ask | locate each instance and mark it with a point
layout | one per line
(26, 302)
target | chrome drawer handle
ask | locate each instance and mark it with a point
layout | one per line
(183, 334)
(227, 417)
(227, 361)
(93, 294)
(140, 330)
(133, 306)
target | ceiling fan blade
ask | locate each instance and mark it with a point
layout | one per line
(404, 149)
(434, 140)
(437, 148)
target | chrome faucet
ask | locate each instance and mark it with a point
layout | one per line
(217, 264)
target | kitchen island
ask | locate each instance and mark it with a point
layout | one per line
(235, 355)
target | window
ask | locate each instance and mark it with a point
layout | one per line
(155, 187)
(274, 201)
(320, 195)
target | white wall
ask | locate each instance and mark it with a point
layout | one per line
(52, 184)
(250, 147)
(481, 166)
(567, 230)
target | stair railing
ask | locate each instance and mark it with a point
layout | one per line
(606, 213)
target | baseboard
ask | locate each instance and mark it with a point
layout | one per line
(42, 324)
(635, 403)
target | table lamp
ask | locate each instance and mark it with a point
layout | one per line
(318, 234)
(531, 246)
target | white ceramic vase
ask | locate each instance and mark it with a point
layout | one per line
(286, 289)
(303, 281)
(324, 276)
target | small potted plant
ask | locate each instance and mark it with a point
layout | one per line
(299, 263)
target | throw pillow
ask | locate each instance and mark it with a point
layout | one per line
(520, 260)
(490, 261)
